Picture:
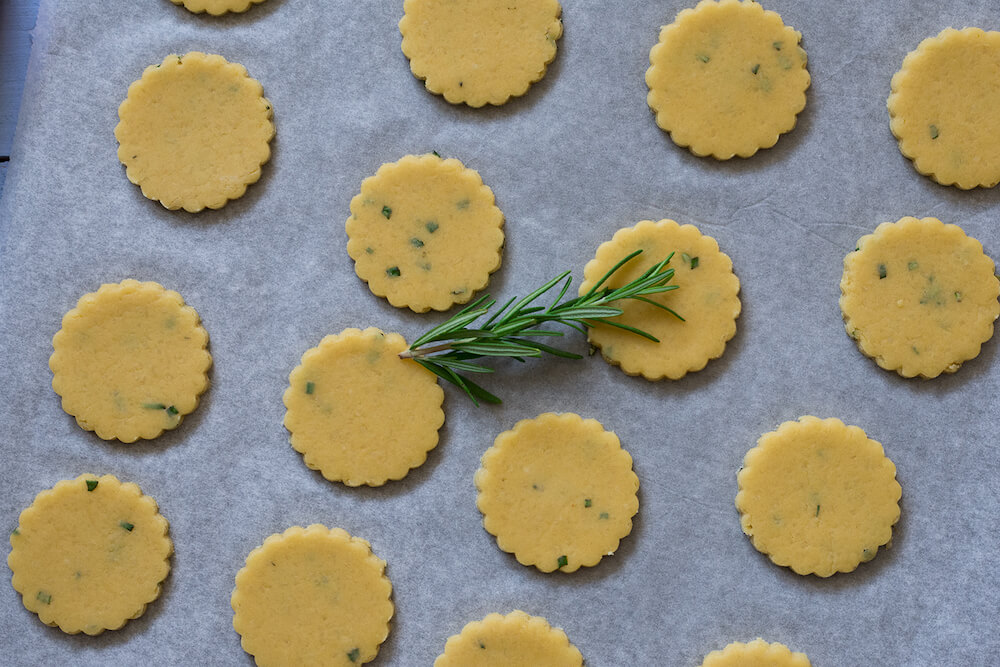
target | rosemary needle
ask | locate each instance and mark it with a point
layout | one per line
(453, 347)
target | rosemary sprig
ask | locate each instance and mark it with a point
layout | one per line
(452, 347)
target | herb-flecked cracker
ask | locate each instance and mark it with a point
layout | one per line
(130, 360)
(558, 492)
(757, 653)
(727, 78)
(312, 596)
(944, 108)
(425, 233)
(514, 640)
(480, 51)
(89, 554)
(216, 7)
(358, 413)
(707, 299)
(818, 496)
(919, 296)
(194, 131)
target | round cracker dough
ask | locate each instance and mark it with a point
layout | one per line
(757, 653)
(558, 492)
(130, 361)
(727, 78)
(216, 7)
(358, 413)
(89, 554)
(480, 51)
(194, 131)
(425, 233)
(919, 297)
(312, 596)
(944, 108)
(818, 496)
(514, 640)
(707, 300)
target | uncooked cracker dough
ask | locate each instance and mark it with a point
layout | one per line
(130, 360)
(757, 653)
(216, 7)
(919, 297)
(514, 640)
(312, 596)
(89, 554)
(727, 78)
(480, 51)
(818, 496)
(558, 492)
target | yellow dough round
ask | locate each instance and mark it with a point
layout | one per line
(707, 300)
(480, 51)
(194, 131)
(919, 297)
(558, 492)
(312, 596)
(130, 361)
(944, 108)
(358, 413)
(818, 496)
(757, 653)
(216, 7)
(514, 640)
(425, 233)
(727, 78)
(89, 554)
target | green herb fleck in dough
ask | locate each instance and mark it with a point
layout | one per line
(535, 487)
(370, 251)
(16, 532)
(785, 61)
(912, 266)
(604, 515)
(435, 154)
(934, 132)
(915, 350)
(457, 292)
(126, 525)
(776, 45)
(431, 227)
(392, 271)
(426, 266)
(563, 561)
(881, 271)
(387, 212)
(592, 351)
(44, 598)
(353, 655)
(416, 243)
(854, 334)
(694, 263)
(703, 58)
(463, 204)
(817, 510)
(310, 387)
(170, 322)
(172, 411)
(154, 406)
(867, 555)
(755, 68)
(482, 645)
(91, 484)
(587, 502)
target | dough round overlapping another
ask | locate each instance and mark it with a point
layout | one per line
(358, 413)
(707, 299)
(558, 492)
(757, 653)
(312, 596)
(216, 7)
(818, 496)
(89, 554)
(919, 297)
(727, 78)
(944, 108)
(130, 360)
(480, 51)
(425, 233)
(514, 640)
(194, 131)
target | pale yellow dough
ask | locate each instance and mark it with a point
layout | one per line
(130, 360)
(514, 640)
(480, 51)
(727, 78)
(425, 233)
(358, 413)
(89, 554)
(757, 653)
(312, 596)
(945, 108)
(919, 297)
(818, 496)
(216, 7)
(558, 492)
(707, 299)
(194, 131)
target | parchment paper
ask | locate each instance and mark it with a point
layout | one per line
(573, 161)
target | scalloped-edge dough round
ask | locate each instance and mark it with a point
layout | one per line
(818, 496)
(757, 653)
(944, 108)
(425, 233)
(90, 554)
(707, 299)
(919, 296)
(481, 52)
(727, 78)
(130, 360)
(216, 7)
(557, 491)
(514, 640)
(358, 413)
(194, 131)
(312, 596)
